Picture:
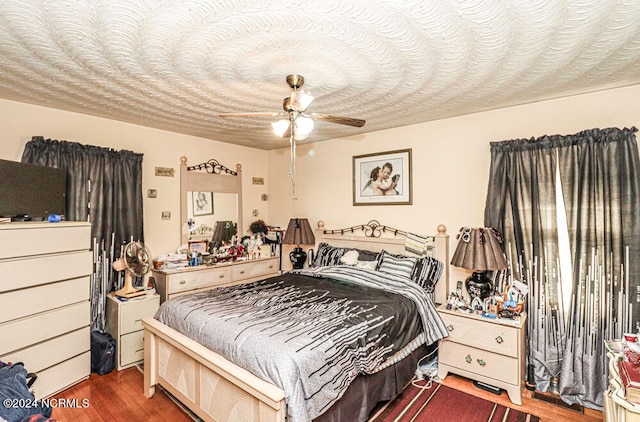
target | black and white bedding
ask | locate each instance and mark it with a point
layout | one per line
(310, 332)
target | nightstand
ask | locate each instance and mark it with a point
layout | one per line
(123, 323)
(484, 349)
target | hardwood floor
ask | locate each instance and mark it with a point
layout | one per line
(118, 396)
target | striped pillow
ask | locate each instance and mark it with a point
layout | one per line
(328, 255)
(426, 273)
(395, 265)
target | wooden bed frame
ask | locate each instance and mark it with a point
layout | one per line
(214, 388)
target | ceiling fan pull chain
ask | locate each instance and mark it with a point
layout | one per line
(292, 142)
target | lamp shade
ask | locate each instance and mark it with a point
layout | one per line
(299, 233)
(479, 249)
(224, 231)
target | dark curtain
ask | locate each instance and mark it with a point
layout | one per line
(521, 205)
(104, 186)
(598, 170)
(599, 173)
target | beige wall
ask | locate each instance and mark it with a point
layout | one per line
(160, 148)
(451, 161)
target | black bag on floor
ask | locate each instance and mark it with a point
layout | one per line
(17, 400)
(103, 352)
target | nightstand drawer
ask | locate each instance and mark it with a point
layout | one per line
(190, 280)
(134, 310)
(252, 269)
(478, 361)
(131, 348)
(480, 334)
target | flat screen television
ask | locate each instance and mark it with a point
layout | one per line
(31, 190)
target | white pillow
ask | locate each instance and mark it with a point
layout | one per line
(350, 258)
(369, 265)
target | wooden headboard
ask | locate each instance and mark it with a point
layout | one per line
(375, 237)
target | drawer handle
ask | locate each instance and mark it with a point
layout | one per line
(481, 362)
(450, 327)
(468, 359)
(499, 339)
(270, 266)
(241, 271)
(221, 276)
(183, 282)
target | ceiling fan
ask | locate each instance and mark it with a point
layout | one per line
(296, 122)
(295, 113)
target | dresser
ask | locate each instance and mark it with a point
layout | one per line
(176, 282)
(124, 324)
(483, 349)
(44, 301)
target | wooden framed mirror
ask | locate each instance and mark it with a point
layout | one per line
(209, 192)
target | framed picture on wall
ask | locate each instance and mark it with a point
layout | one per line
(202, 203)
(382, 178)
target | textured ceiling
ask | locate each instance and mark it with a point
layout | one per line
(176, 65)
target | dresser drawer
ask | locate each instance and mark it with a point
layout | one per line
(20, 303)
(21, 273)
(133, 311)
(43, 238)
(27, 331)
(43, 355)
(495, 337)
(481, 362)
(62, 375)
(189, 280)
(131, 348)
(252, 269)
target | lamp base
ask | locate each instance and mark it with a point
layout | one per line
(479, 285)
(298, 257)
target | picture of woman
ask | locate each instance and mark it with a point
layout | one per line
(202, 203)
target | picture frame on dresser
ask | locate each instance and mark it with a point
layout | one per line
(200, 246)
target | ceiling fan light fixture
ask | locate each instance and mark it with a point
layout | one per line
(304, 126)
(300, 100)
(280, 127)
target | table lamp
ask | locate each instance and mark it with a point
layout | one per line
(479, 250)
(298, 233)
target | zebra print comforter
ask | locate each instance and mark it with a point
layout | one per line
(310, 332)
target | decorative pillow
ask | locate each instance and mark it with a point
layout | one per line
(391, 264)
(369, 265)
(328, 255)
(365, 255)
(350, 257)
(426, 273)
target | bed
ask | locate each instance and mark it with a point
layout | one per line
(229, 384)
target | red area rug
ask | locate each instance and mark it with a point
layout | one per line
(443, 404)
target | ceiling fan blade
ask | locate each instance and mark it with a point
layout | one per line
(350, 121)
(251, 114)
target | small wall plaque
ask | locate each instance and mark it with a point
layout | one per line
(257, 180)
(165, 171)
